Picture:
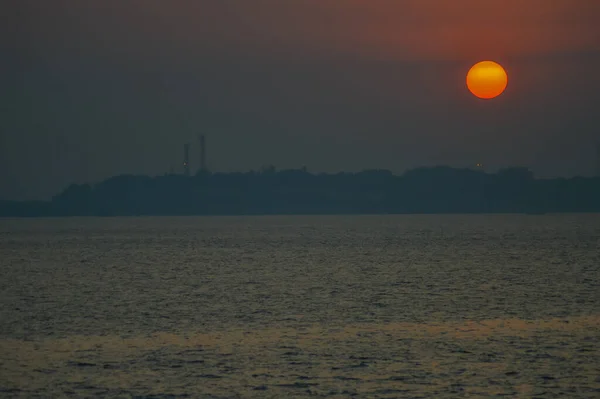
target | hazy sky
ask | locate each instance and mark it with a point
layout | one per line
(91, 89)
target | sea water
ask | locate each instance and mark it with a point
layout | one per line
(418, 306)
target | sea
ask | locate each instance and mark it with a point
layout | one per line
(387, 306)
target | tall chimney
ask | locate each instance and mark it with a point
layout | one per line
(202, 153)
(598, 159)
(186, 159)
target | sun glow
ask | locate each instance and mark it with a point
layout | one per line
(487, 80)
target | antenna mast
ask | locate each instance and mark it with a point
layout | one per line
(186, 159)
(202, 140)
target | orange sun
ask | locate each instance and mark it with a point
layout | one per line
(487, 79)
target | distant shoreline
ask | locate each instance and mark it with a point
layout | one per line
(4, 217)
(435, 190)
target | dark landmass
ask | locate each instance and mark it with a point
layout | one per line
(423, 190)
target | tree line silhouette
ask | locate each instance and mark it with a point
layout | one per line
(437, 189)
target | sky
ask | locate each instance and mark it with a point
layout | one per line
(92, 89)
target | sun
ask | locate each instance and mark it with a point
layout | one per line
(487, 80)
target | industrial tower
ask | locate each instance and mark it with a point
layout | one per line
(202, 141)
(186, 159)
(598, 159)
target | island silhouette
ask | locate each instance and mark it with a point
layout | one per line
(439, 189)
